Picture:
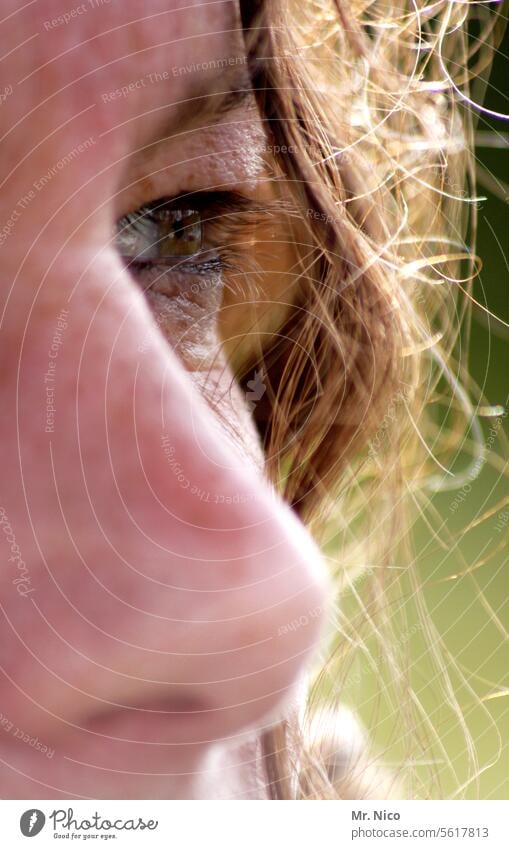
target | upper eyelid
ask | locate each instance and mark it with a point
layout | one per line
(232, 214)
(207, 201)
(242, 212)
(230, 210)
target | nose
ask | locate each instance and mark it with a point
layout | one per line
(159, 569)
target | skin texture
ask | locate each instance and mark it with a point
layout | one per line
(146, 644)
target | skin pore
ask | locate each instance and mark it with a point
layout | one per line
(146, 646)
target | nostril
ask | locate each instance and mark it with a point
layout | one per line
(174, 705)
(172, 719)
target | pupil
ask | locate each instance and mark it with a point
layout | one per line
(178, 231)
(181, 232)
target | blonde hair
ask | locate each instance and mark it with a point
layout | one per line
(366, 103)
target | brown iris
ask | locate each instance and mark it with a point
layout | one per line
(159, 232)
(180, 232)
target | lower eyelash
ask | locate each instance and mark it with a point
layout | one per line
(210, 265)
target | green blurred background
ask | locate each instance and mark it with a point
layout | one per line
(465, 574)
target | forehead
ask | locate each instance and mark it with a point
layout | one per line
(115, 58)
(110, 26)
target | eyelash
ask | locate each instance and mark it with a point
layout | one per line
(222, 215)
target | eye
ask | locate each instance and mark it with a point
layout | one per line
(160, 233)
(195, 234)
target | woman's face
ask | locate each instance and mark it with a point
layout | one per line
(158, 602)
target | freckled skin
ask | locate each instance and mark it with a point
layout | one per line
(159, 568)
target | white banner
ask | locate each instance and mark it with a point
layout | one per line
(255, 825)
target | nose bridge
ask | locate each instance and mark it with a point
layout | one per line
(162, 553)
(159, 557)
(90, 346)
(86, 366)
(154, 558)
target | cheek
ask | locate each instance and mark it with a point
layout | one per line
(187, 318)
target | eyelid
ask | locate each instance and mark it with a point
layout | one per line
(213, 202)
(226, 215)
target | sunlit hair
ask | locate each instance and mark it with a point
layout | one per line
(366, 106)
